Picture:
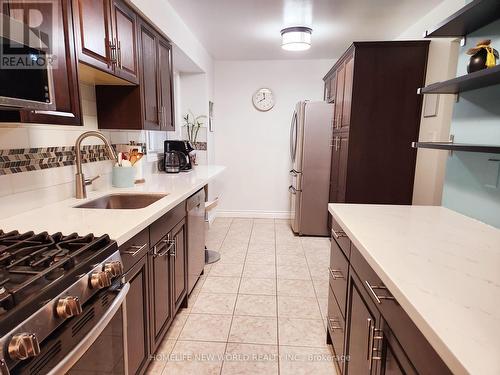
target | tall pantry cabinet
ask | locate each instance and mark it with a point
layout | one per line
(373, 87)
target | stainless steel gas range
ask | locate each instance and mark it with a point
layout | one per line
(61, 305)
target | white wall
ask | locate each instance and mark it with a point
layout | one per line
(253, 145)
(441, 65)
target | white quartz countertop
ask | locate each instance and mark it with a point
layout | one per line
(120, 225)
(444, 270)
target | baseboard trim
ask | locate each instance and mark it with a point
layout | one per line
(255, 214)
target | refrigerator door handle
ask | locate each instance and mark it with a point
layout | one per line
(293, 136)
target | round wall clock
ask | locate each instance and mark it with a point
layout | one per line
(263, 99)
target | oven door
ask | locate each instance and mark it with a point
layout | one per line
(104, 348)
(94, 342)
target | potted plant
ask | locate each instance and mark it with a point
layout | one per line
(193, 124)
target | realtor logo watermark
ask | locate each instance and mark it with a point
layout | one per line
(28, 38)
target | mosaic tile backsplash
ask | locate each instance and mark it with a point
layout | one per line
(31, 159)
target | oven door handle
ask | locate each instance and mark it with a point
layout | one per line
(78, 351)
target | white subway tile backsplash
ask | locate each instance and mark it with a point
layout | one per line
(89, 107)
(90, 122)
(87, 92)
(13, 137)
(118, 137)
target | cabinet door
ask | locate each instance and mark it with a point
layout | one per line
(363, 330)
(125, 37)
(347, 97)
(149, 77)
(394, 360)
(138, 316)
(66, 89)
(343, 143)
(179, 265)
(93, 32)
(339, 95)
(338, 171)
(165, 81)
(161, 309)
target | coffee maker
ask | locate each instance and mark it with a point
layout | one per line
(183, 150)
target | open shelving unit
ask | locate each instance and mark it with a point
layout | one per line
(450, 146)
(467, 82)
(468, 19)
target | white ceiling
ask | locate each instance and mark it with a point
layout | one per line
(250, 29)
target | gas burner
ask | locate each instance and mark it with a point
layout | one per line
(31, 264)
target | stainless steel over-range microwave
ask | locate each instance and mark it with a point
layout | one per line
(26, 80)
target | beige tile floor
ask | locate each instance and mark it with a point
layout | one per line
(259, 310)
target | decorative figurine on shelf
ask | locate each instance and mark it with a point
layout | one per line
(483, 56)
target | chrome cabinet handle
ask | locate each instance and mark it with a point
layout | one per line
(336, 274)
(378, 298)
(160, 116)
(334, 324)
(292, 190)
(293, 173)
(338, 234)
(373, 334)
(171, 243)
(119, 54)
(173, 253)
(137, 249)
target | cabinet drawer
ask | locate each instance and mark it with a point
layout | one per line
(134, 249)
(166, 223)
(423, 357)
(341, 237)
(336, 328)
(339, 269)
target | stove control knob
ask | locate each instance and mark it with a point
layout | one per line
(23, 346)
(114, 268)
(100, 279)
(68, 307)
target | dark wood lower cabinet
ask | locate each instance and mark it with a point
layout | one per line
(363, 329)
(137, 308)
(161, 306)
(179, 264)
(158, 284)
(377, 337)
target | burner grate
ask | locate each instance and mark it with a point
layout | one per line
(31, 262)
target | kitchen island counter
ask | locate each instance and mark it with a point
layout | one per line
(119, 224)
(443, 269)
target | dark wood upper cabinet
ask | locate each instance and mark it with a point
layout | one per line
(150, 105)
(92, 20)
(66, 88)
(347, 97)
(377, 117)
(149, 77)
(166, 85)
(125, 38)
(339, 96)
(106, 34)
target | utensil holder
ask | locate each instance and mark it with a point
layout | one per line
(123, 177)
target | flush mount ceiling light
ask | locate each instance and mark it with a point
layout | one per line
(297, 38)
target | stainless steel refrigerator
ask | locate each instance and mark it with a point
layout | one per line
(310, 151)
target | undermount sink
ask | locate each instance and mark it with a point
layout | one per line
(122, 201)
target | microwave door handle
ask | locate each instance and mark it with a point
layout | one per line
(79, 350)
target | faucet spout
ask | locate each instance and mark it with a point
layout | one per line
(81, 192)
